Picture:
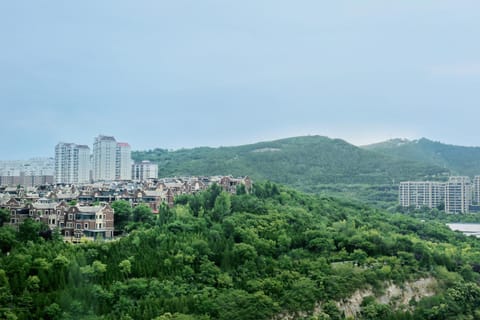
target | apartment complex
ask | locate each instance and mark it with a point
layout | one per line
(476, 189)
(458, 195)
(104, 158)
(110, 161)
(27, 173)
(422, 194)
(123, 161)
(455, 195)
(144, 170)
(72, 163)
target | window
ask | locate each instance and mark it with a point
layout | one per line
(99, 226)
(70, 216)
(78, 226)
(67, 233)
(69, 225)
(53, 221)
(86, 226)
(30, 213)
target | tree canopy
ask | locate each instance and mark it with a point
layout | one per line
(246, 256)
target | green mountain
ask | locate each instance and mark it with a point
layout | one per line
(458, 159)
(301, 162)
(272, 254)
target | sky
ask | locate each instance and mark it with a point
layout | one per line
(186, 73)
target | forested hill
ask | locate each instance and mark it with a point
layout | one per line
(301, 162)
(458, 159)
(257, 256)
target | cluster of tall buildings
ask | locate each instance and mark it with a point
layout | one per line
(27, 173)
(109, 161)
(457, 195)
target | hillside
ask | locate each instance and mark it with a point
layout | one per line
(301, 162)
(458, 159)
(273, 254)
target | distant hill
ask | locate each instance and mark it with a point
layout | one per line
(301, 162)
(459, 160)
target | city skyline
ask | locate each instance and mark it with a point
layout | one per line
(187, 74)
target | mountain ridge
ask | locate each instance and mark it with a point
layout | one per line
(461, 160)
(302, 162)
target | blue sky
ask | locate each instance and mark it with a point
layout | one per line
(175, 74)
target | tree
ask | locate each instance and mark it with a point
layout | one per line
(4, 216)
(122, 214)
(7, 239)
(30, 230)
(222, 207)
(125, 267)
(142, 213)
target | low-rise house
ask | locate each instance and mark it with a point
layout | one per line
(90, 222)
(230, 184)
(73, 222)
(18, 212)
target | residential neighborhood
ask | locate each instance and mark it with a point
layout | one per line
(84, 212)
(73, 192)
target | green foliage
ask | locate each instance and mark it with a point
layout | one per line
(142, 213)
(460, 160)
(301, 162)
(122, 214)
(4, 216)
(246, 256)
(30, 230)
(7, 239)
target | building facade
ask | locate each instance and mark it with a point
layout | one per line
(73, 222)
(476, 190)
(104, 158)
(27, 173)
(72, 163)
(111, 160)
(123, 161)
(420, 194)
(458, 195)
(90, 222)
(144, 170)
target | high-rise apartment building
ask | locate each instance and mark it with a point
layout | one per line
(476, 190)
(72, 163)
(458, 195)
(123, 162)
(111, 160)
(144, 170)
(104, 158)
(419, 194)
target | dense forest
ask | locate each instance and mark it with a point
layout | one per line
(458, 159)
(272, 254)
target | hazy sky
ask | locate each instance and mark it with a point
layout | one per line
(174, 74)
